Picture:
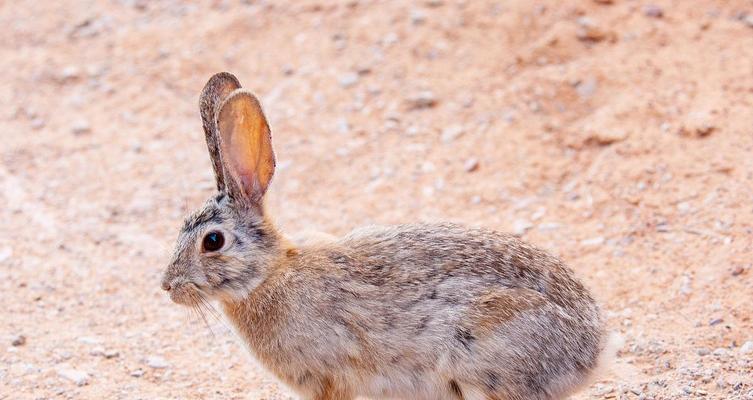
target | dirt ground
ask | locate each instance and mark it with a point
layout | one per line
(617, 134)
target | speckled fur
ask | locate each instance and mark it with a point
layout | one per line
(417, 311)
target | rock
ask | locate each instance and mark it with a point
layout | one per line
(349, 79)
(156, 362)
(703, 352)
(653, 11)
(18, 340)
(471, 165)
(451, 133)
(421, 100)
(737, 270)
(747, 347)
(520, 227)
(78, 377)
(137, 373)
(81, 127)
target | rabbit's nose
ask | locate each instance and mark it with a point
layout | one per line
(166, 286)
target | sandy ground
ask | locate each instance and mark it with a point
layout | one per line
(617, 134)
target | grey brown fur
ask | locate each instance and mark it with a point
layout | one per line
(417, 311)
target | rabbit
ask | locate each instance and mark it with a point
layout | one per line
(414, 311)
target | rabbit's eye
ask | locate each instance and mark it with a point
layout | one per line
(213, 241)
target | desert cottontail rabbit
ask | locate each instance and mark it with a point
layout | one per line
(415, 311)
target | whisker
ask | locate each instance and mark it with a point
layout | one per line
(214, 313)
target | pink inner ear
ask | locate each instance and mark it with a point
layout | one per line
(246, 142)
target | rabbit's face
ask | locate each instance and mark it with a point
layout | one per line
(223, 252)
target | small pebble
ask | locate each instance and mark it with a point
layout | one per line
(587, 87)
(37, 123)
(748, 20)
(421, 100)
(520, 227)
(89, 340)
(348, 80)
(471, 165)
(156, 362)
(697, 125)
(80, 378)
(417, 17)
(597, 241)
(715, 321)
(81, 127)
(703, 351)
(589, 30)
(19, 340)
(5, 253)
(653, 11)
(111, 353)
(747, 347)
(451, 133)
(69, 73)
(720, 352)
(137, 373)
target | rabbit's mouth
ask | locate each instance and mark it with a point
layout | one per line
(185, 293)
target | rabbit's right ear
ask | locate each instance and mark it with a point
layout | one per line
(215, 91)
(246, 147)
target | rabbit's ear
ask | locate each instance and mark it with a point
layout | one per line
(246, 147)
(217, 89)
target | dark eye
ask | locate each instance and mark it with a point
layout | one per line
(213, 241)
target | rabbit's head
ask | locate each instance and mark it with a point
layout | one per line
(225, 249)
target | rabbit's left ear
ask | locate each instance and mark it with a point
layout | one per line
(217, 88)
(246, 147)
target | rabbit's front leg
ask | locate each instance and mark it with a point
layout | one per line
(330, 391)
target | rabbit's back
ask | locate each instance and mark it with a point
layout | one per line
(444, 306)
